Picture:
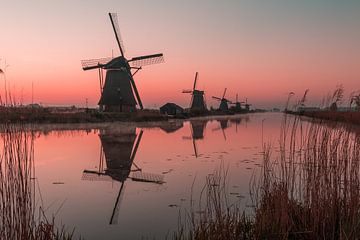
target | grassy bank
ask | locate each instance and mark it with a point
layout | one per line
(47, 115)
(309, 190)
(20, 218)
(346, 117)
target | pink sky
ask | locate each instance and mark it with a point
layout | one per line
(259, 50)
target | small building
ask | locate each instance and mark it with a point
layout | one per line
(171, 109)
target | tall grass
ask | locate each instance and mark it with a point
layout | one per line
(214, 217)
(19, 217)
(314, 190)
(310, 190)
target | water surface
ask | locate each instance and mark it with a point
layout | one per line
(89, 175)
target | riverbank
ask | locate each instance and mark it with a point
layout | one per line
(346, 117)
(74, 115)
(49, 115)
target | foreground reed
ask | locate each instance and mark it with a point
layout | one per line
(19, 217)
(310, 190)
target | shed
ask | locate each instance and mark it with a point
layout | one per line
(171, 109)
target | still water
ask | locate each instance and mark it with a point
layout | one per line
(128, 181)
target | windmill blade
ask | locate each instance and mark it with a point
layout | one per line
(224, 93)
(216, 98)
(195, 148)
(135, 91)
(89, 175)
(133, 153)
(94, 63)
(223, 131)
(147, 177)
(146, 60)
(115, 213)
(187, 91)
(115, 25)
(196, 77)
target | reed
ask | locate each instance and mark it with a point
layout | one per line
(19, 217)
(214, 217)
(313, 191)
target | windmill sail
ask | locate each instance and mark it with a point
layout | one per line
(147, 177)
(115, 213)
(147, 60)
(95, 63)
(196, 77)
(115, 25)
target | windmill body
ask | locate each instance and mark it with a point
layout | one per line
(247, 106)
(119, 92)
(117, 147)
(198, 102)
(224, 107)
(238, 105)
(197, 98)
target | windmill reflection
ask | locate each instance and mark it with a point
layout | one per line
(197, 128)
(224, 123)
(119, 148)
(238, 121)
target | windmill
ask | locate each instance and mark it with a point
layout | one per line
(355, 99)
(238, 104)
(119, 148)
(197, 128)
(223, 102)
(247, 105)
(119, 91)
(197, 98)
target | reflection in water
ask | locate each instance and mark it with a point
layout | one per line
(237, 121)
(224, 124)
(197, 128)
(170, 127)
(124, 151)
(119, 147)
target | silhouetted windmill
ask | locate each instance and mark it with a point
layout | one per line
(119, 148)
(197, 98)
(117, 93)
(238, 104)
(247, 105)
(223, 102)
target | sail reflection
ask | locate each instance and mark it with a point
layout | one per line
(119, 148)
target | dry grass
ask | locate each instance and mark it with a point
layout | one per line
(214, 217)
(314, 190)
(19, 217)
